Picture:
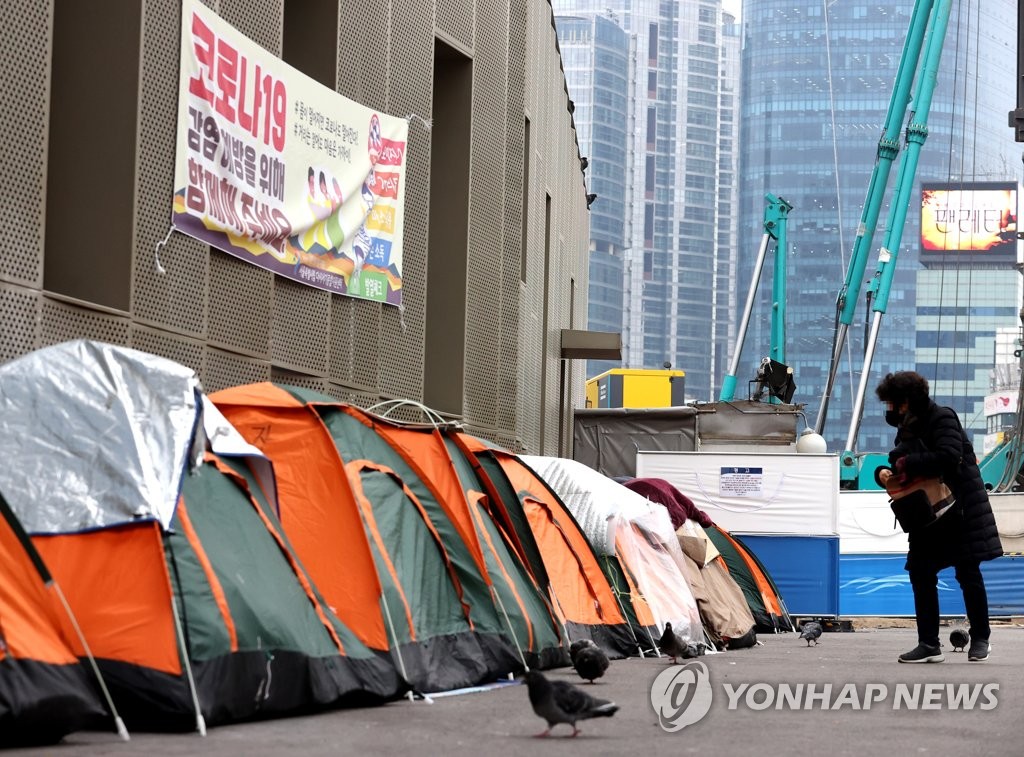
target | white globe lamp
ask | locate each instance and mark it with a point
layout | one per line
(811, 443)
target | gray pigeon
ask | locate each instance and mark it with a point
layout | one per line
(670, 644)
(693, 650)
(591, 662)
(561, 702)
(810, 630)
(960, 639)
(576, 646)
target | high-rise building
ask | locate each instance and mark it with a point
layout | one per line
(595, 57)
(677, 240)
(816, 87)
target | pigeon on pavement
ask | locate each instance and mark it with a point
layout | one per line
(670, 644)
(560, 702)
(810, 630)
(591, 662)
(692, 650)
(960, 639)
(576, 646)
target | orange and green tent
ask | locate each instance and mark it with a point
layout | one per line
(406, 557)
(582, 595)
(169, 552)
(45, 693)
(212, 620)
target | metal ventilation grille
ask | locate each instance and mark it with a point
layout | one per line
(403, 333)
(259, 20)
(508, 377)
(364, 26)
(359, 399)
(486, 216)
(62, 321)
(177, 300)
(179, 349)
(25, 42)
(223, 370)
(240, 296)
(291, 378)
(342, 322)
(299, 327)
(366, 343)
(455, 18)
(19, 312)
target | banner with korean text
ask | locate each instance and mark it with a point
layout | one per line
(280, 171)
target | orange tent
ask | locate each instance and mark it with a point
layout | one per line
(170, 554)
(407, 557)
(44, 692)
(582, 593)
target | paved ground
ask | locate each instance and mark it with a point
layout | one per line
(501, 722)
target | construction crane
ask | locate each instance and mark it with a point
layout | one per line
(918, 70)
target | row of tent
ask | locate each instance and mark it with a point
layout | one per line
(172, 560)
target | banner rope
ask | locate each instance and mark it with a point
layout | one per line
(425, 121)
(156, 251)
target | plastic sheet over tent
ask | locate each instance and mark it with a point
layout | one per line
(723, 607)
(619, 521)
(118, 426)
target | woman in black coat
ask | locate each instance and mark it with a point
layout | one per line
(930, 442)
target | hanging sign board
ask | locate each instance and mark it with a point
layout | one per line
(280, 171)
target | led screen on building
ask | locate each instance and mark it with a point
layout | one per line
(969, 218)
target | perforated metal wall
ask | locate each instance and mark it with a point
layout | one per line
(486, 216)
(411, 87)
(180, 349)
(299, 337)
(456, 17)
(237, 288)
(176, 300)
(63, 321)
(511, 261)
(19, 311)
(223, 369)
(25, 42)
(235, 323)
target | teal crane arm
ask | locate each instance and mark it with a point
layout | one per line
(921, 20)
(775, 215)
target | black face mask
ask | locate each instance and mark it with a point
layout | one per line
(893, 417)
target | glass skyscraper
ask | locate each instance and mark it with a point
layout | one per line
(679, 183)
(816, 85)
(595, 57)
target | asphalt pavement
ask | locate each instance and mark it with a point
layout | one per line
(845, 696)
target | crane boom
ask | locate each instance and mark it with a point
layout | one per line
(918, 69)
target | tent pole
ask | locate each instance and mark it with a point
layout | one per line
(511, 630)
(200, 721)
(556, 607)
(121, 730)
(397, 648)
(625, 615)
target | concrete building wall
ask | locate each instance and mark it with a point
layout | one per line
(89, 97)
